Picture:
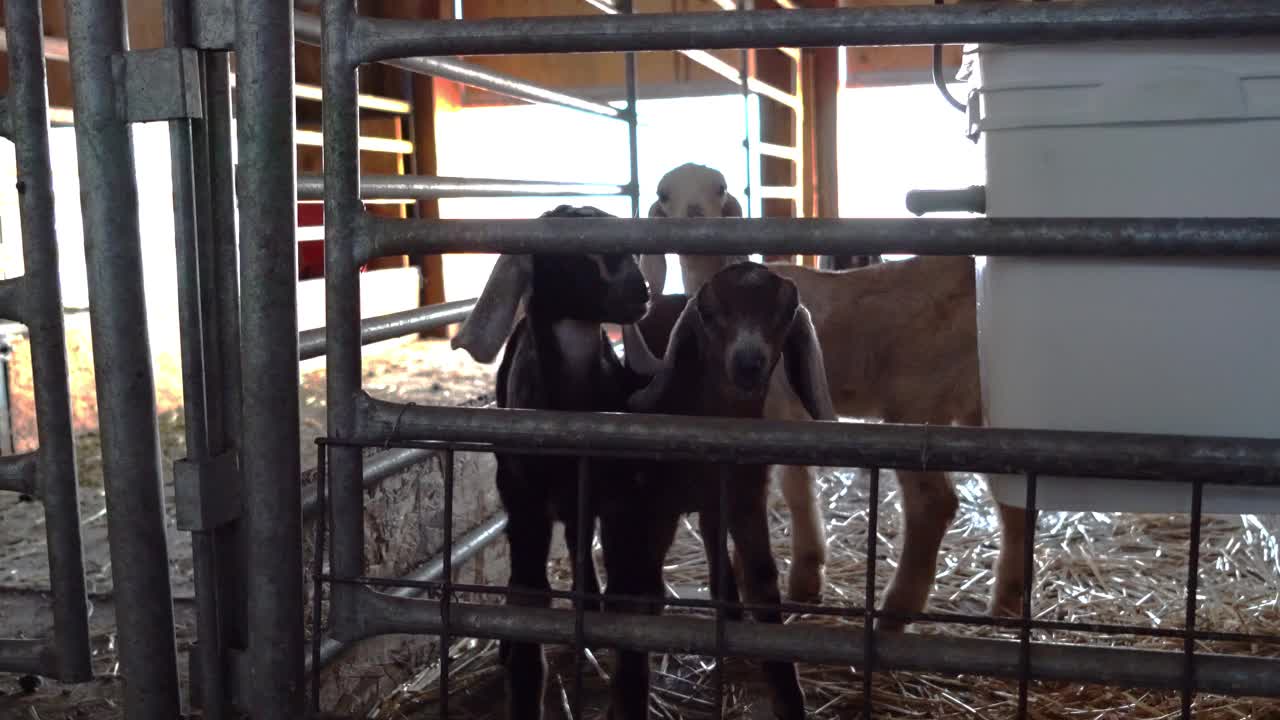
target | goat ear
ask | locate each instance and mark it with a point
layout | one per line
(683, 341)
(636, 353)
(656, 211)
(730, 207)
(494, 316)
(802, 359)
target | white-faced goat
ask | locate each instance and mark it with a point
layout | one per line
(719, 359)
(900, 343)
(691, 191)
(557, 358)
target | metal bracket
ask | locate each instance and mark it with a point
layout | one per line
(207, 493)
(973, 108)
(160, 84)
(213, 24)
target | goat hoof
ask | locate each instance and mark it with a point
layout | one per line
(890, 625)
(789, 710)
(805, 585)
(1005, 608)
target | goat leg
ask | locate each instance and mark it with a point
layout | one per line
(749, 526)
(529, 541)
(709, 526)
(929, 505)
(1006, 596)
(635, 544)
(590, 582)
(808, 539)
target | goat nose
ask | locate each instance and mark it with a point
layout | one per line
(748, 368)
(694, 211)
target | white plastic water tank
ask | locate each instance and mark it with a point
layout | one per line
(1132, 129)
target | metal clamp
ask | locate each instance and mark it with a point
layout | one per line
(213, 24)
(160, 84)
(207, 493)
(973, 108)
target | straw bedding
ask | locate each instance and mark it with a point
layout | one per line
(1095, 567)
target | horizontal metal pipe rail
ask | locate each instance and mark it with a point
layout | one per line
(307, 30)
(383, 614)
(376, 39)
(466, 547)
(411, 187)
(720, 67)
(311, 343)
(1246, 237)
(368, 143)
(1236, 461)
(56, 48)
(18, 473)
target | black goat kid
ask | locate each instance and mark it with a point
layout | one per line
(557, 358)
(722, 351)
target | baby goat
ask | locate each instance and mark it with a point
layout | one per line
(720, 357)
(557, 358)
(900, 341)
(691, 191)
(901, 345)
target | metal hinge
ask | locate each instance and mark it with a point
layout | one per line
(207, 493)
(160, 84)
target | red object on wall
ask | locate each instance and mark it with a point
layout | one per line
(311, 252)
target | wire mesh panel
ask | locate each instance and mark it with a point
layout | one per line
(358, 610)
(35, 299)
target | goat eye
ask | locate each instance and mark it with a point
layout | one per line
(722, 190)
(663, 197)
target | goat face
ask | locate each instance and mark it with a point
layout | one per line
(744, 314)
(728, 341)
(694, 191)
(595, 288)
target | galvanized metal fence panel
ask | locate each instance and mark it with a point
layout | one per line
(355, 420)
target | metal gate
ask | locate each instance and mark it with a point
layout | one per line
(355, 419)
(239, 490)
(35, 299)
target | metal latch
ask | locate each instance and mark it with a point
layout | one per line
(160, 84)
(207, 493)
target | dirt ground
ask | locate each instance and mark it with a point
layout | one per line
(426, 372)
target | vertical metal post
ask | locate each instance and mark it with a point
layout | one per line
(204, 437)
(446, 587)
(343, 214)
(633, 121)
(122, 364)
(1188, 689)
(869, 594)
(744, 64)
(1028, 584)
(222, 297)
(6, 414)
(28, 117)
(269, 457)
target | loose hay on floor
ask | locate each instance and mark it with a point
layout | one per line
(1095, 567)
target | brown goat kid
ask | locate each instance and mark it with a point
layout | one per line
(719, 361)
(900, 341)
